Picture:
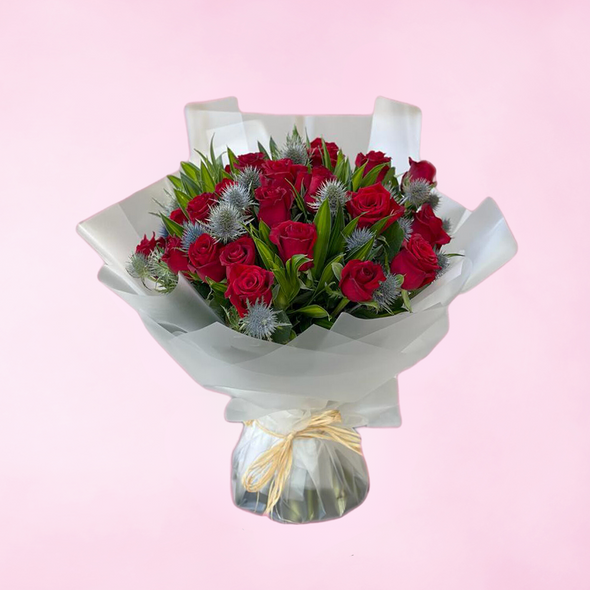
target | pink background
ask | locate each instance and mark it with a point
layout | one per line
(114, 466)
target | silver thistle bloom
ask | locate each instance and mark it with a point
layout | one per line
(226, 222)
(332, 191)
(358, 238)
(417, 192)
(443, 262)
(295, 150)
(236, 195)
(249, 178)
(261, 321)
(406, 224)
(434, 199)
(447, 225)
(138, 266)
(388, 292)
(160, 273)
(191, 232)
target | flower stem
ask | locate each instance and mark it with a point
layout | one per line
(343, 303)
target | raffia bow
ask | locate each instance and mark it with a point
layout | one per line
(274, 465)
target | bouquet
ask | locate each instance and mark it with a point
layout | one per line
(299, 276)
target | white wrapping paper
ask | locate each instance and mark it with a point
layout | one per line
(354, 366)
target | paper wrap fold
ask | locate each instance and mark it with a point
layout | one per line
(354, 366)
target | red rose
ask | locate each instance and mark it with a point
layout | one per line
(312, 181)
(430, 227)
(198, 207)
(221, 186)
(359, 279)
(178, 216)
(146, 247)
(203, 255)
(294, 237)
(255, 159)
(417, 262)
(316, 150)
(173, 256)
(376, 203)
(420, 170)
(373, 159)
(249, 284)
(282, 170)
(241, 251)
(275, 203)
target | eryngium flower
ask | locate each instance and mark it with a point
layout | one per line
(236, 195)
(295, 150)
(332, 191)
(138, 266)
(249, 178)
(226, 222)
(358, 238)
(417, 192)
(434, 199)
(406, 225)
(261, 321)
(447, 225)
(388, 291)
(191, 232)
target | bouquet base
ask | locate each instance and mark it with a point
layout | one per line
(326, 480)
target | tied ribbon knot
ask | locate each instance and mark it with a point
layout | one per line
(274, 465)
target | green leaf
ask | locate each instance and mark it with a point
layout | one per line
(208, 182)
(371, 176)
(176, 182)
(274, 149)
(220, 288)
(191, 170)
(313, 311)
(406, 300)
(337, 270)
(379, 225)
(189, 186)
(282, 334)
(326, 160)
(347, 231)
(342, 169)
(328, 274)
(270, 260)
(323, 223)
(182, 198)
(174, 229)
(394, 236)
(264, 233)
(357, 177)
(262, 149)
(231, 158)
(336, 239)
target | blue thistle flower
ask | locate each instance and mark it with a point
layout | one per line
(191, 232)
(388, 291)
(332, 191)
(447, 225)
(162, 231)
(406, 224)
(261, 321)
(295, 150)
(226, 222)
(358, 238)
(164, 279)
(434, 199)
(236, 195)
(138, 266)
(249, 178)
(417, 192)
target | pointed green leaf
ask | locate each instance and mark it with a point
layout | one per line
(173, 228)
(313, 311)
(323, 223)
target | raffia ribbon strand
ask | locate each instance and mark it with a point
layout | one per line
(274, 465)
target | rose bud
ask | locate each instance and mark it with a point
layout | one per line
(294, 237)
(173, 256)
(178, 216)
(359, 279)
(146, 247)
(420, 170)
(198, 207)
(275, 203)
(373, 159)
(417, 261)
(376, 203)
(248, 284)
(241, 251)
(430, 227)
(203, 255)
(254, 159)
(316, 150)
